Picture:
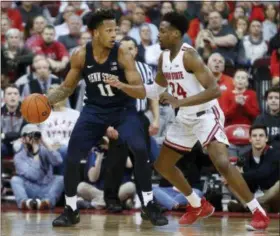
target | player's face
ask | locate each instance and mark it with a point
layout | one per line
(258, 139)
(107, 33)
(273, 101)
(11, 97)
(165, 36)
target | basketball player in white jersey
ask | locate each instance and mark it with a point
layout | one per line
(194, 92)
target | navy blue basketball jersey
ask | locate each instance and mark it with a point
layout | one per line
(98, 93)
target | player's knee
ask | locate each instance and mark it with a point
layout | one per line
(222, 164)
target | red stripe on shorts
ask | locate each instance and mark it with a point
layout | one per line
(176, 146)
(212, 134)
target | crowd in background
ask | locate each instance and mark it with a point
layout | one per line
(37, 40)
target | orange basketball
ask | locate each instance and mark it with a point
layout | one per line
(35, 108)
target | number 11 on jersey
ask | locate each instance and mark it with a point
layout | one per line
(105, 90)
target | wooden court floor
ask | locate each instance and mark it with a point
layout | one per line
(39, 224)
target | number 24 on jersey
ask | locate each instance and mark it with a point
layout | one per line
(178, 91)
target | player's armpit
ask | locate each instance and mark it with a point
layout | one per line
(72, 79)
(135, 87)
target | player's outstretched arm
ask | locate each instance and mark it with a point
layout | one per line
(72, 79)
(194, 63)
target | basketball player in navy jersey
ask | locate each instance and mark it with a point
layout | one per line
(194, 92)
(101, 62)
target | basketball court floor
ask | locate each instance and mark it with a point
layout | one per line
(98, 223)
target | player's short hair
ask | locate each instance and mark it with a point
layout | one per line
(271, 90)
(96, 18)
(127, 38)
(253, 127)
(178, 21)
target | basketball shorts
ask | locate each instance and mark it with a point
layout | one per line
(203, 126)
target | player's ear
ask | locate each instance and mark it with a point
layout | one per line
(177, 33)
(95, 33)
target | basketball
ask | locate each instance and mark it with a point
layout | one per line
(35, 108)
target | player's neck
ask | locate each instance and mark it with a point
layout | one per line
(175, 49)
(99, 51)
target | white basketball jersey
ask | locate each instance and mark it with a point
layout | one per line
(182, 83)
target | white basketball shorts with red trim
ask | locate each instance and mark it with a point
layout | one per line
(187, 129)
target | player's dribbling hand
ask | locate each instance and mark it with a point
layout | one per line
(166, 98)
(113, 81)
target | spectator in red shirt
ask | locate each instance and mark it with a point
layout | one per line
(55, 51)
(12, 14)
(216, 64)
(240, 105)
(275, 66)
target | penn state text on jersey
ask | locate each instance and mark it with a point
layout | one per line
(100, 95)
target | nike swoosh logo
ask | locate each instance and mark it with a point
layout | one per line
(199, 212)
(90, 66)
